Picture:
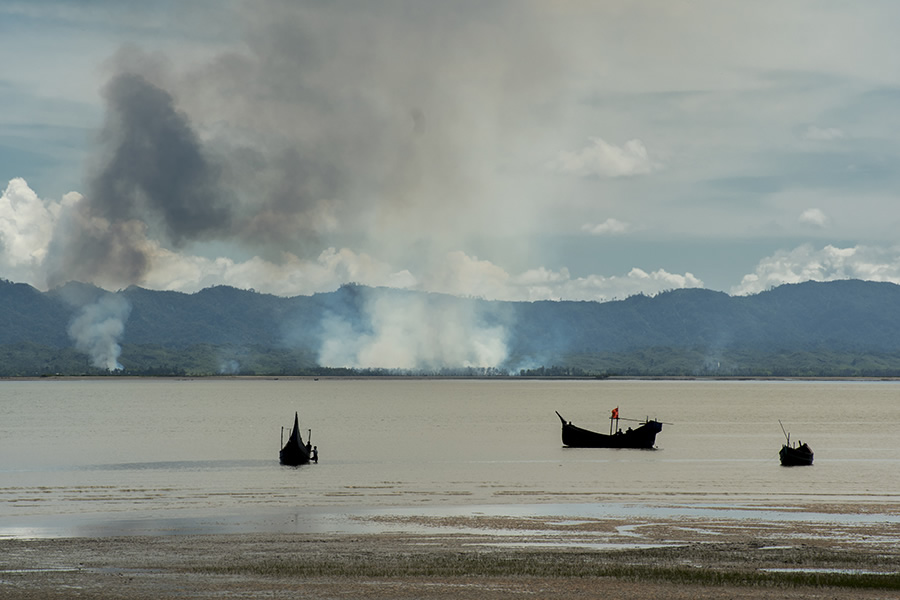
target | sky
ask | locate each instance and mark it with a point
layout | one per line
(505, 150)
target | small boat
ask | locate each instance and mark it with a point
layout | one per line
(295, 452)
(800, 455)
(796, 456)
(643, 436)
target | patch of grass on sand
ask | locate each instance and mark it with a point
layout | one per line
(648, 568)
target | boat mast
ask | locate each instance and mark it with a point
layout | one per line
(786, 434)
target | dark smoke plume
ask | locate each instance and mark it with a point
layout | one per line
(154, 182)
(157, 166)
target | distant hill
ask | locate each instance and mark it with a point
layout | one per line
(840, 328)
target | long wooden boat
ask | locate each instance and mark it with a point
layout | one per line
(295, 452)
(643, 436)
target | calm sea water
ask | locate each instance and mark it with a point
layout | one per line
(113, 452)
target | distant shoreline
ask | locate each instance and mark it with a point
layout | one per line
(440, 378)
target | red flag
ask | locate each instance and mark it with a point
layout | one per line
(615, 413)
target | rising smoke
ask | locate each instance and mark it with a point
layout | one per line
(155, 186)
(413, 332)
(361, 124)
(97, 328)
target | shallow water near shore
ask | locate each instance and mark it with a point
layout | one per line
(136, 456)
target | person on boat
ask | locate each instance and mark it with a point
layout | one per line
(315, 454)
(628, 430)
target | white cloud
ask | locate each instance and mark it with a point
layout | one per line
(542, 277)
(814, 216)
(26, 225)
(830, 263)
(292, 276)
(609, 226)
(602, 159)
(544, 284)
(463, 275)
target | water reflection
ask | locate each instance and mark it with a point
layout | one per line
(618, 524)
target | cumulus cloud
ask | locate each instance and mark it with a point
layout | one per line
(814, 216)
(829, 263)
(545, 284)
(289, 276)
(602, 159)
(26, 227)
(461, 274)
(608, 227)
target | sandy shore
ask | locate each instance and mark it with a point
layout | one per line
(474, 557)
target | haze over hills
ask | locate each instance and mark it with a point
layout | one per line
(839, 328)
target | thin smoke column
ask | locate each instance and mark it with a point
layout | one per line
(97, 329)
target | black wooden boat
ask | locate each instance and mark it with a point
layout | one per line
(796, 456)
(643, 436)
(295, 452)
(800, 455)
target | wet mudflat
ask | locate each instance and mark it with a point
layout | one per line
(478, 556)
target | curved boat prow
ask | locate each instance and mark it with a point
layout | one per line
(295, 453)
(560, 417)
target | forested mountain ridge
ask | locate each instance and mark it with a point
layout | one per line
(840, 315)
(845, 328)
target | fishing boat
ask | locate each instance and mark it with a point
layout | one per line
(799, 455)
(295, 452)
(642, 436)
(796, 456)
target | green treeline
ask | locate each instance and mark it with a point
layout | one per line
(203, 360)
(834, 329)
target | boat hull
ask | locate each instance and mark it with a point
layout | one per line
(796, 457)
(294, 453)
(640, 437)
